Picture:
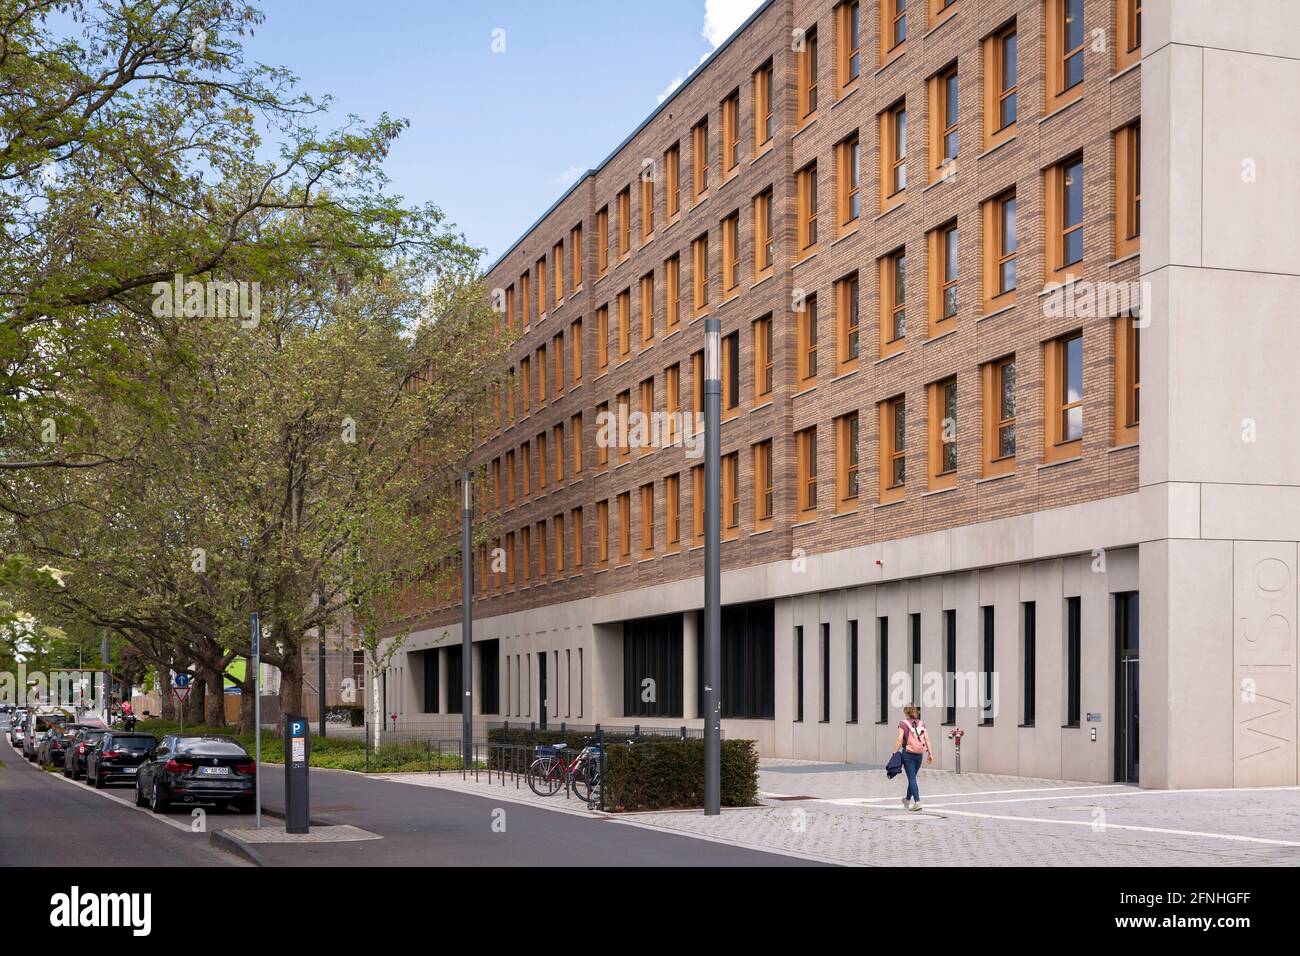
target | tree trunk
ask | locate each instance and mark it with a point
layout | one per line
(214, 711)
(194, 704)
(246, 701)
(167, 707)
(290, 684)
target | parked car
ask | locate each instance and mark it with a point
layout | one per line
(78, 746)
(197, 769)
(17, 727)
(50, 750)
(117, 756)
(45, 722)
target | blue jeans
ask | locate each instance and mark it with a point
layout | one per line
(912, 765)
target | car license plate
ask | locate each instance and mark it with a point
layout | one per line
(214, 771)
(130, 769)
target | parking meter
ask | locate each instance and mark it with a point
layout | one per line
(297, 752)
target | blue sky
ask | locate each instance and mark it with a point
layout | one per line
(495, 138)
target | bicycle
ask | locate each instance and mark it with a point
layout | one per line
(552, 769)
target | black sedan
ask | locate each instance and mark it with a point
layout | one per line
(117, 756)
(77, 747)
(50, 749)
(197, 769)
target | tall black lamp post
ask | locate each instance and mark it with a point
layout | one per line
(712, 567)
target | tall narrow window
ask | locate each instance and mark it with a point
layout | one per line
(700, 159)
(579, 537)
(730, 133)
(557, 451)
(1128, 384)
(543, 291)
(848, 35)
(1063, 392)
(763, 485)
(557, 353)
(1028, 662)
(914, 655)
(576, 344)
(673, 181)
(602, 532)
(526, 384)
(806, 77)
(893, 28)
(576, 252)
(526, 297)
(806, 449)
(943, 279)
(730, 256)
(511, 477)
(893, 449)
(1128, 189)
(697, 505)
(623, 408)
(602, 241)
(577, 441)
(624, 222)
(672, 292)
(763, 235)
(847, 338)
(526, 558)
(764, 112)
(648, 520)
(647, 203)
(1065, 46)
(1001, 85)
(647, 309)
(557, 271)
(730, 376)
(999, 416)
(543, 376)
(846, 462)
(950, 666)
(543, 472)
(1128, 23)
(893, 302)
(673, 400)
(943, 433)
(943, 122)
(848, 175)
(557, 526)
(988, 705)
(882, 670)
(762, 358)
(853, 672)
(806, 213)
(1064, 183)
(893, 156)
(806, 342)
(672, 513)
(730, 496)
(602, 338)
(625, 527)
(798, 674)
(543, 550)
(1073, 662)
(624, 303)
(1000, 250)
(824, 652)
(605, 428)
(648, 410)
(700, 274)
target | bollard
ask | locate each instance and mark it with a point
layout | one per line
(428, 756)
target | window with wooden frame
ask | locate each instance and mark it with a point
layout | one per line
(847, 323)
(625, 527)
(1128, 189)
(511, 478)
(672, 514)
(624, 306)
(543, 291)
(579, 536)
(543, 471)
(624, 222)
(806, 343)
(575, 344)
(941, 10)
(509, 548)
(543, 549)
(1063, 397)
(1000, 250)
(1128, 384)
(806, 473)
(602, 339)
(846, 463)
(943, 278)
(525, 471)
(764, 106)
(497, 499)
(763, 235)
(893, 29)
(602, 532)
(730, 133)
(557, 272)
(806, 218)
(510, 309)
(700, 159)
(848, 180)
(648, 520)
(647, 200)
(730, 376)
(526, 385)
(697, 506)
(673, 400)
(893, 302)
(700, 275)
(730, 496)
(697, 390)
(806, 77)
(602, 241)
(647, 397)
(848, 44)
(1001, 86)
(943, 122)
(1128, 33)
(673, 181)
(943, 433)
(557, 451)
(577, 441)
(647, 309)
(893, 156)
(604, 430)
(762, 358)
(672, 292)
(893, 449)
(1064, 193)
(575, 251)
(763, 498)
(1064, 36)
(731, 256)
(623, 408)
(557, 532)
(526, 298)
(999, 432)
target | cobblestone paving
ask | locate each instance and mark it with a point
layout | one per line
(853, 815)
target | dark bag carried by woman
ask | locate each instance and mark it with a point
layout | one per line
(895, 765)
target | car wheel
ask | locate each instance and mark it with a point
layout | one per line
(159, 803)
(66, 771)
(99, 782)
(140, 799)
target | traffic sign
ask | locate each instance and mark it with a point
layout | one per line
(182, 680)
(181, 693)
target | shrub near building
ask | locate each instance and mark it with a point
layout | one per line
(666, 774)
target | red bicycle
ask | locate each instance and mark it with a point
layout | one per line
(555, 766)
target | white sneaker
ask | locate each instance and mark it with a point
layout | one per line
(915, 806)
(907, 804)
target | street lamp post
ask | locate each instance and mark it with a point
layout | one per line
(712, 567)
(467, 620)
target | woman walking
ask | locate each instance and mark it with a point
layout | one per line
(913, 741)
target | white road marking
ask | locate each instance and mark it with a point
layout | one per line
(867, 801)
(1088, 796)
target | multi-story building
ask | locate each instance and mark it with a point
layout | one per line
(921, 226)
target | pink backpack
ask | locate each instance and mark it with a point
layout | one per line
(913, 736)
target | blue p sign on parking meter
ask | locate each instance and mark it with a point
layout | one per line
(297, 752)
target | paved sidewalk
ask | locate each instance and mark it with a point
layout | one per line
(852, 814)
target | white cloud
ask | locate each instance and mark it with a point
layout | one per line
(670, 89)
(721, 17)
(567, 177)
